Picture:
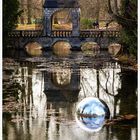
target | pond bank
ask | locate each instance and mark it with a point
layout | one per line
(127, 61)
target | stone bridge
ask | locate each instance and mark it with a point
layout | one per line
(76, 37)
(20, 38)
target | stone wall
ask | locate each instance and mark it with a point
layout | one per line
(47, 42)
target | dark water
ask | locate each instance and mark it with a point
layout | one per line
(40, 96)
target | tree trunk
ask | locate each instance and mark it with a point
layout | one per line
(22, 7)
(109, 7)
(124, 21)
(116, 7)
(29, 11)
(97, 10)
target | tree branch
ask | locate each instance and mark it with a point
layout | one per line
(120, 19)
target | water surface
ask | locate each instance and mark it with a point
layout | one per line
(40, 96)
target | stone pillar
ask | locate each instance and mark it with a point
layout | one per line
(75, 14)
(47, 23)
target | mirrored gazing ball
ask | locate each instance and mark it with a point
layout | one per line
(91, 114)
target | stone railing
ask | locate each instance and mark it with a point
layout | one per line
(61, 33)
(99, 33)
(25, 33)
(66, 33)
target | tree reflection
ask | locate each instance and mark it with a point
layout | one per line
(31, 104)
(40, 116)
(117, 87)
(127, 94)
(101, 83)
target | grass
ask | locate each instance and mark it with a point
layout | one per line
(29, 27)
(67, 26)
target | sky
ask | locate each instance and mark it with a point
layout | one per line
(92, 105)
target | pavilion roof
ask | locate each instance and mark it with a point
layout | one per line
(61, 4)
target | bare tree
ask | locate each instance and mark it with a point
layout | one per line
(29, 2)
(116, 6)
(32, 9)
(122, 19)
(97, 9)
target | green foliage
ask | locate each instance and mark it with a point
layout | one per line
(10, 14)
(86, 23)
(129, 9)
(129, 32)
(129, 39)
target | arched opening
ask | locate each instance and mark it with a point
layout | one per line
(61, 48)
(115, 48)
(61, 77)
(61, 20)
(33, 48)
(90, 48)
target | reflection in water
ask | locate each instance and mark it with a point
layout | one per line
(128, 103)
(61, 48)
(40, 115)
(91, 114)
(101, 83)
(90, 48)
(61, 77)
(62, 84)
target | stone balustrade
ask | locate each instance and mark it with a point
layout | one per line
(61, 33)
(66, 33)
(25, 33)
